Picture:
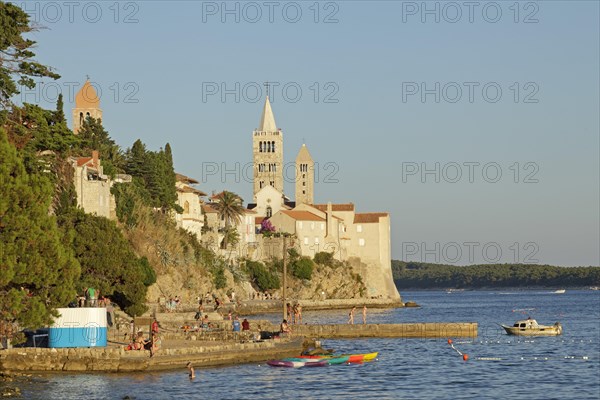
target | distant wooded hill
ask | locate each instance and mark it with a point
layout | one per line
(429, 276)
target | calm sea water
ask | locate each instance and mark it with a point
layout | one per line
(564, 367)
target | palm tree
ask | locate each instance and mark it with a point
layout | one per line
(230, 209)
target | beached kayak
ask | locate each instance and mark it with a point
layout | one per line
(351, 357)
(297, 364)
(330, 361)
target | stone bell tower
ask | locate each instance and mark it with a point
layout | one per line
(267, 150)
(305, 177)
(87, 104)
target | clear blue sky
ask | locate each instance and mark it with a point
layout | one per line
(377, 58)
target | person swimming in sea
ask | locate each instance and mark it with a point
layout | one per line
(191, 372)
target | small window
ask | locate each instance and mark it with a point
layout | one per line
(312, 225)
(305, 240)
(322, 226)
(269, 212)
(316, 240)
(304, 192)
(299, 224)
(361, 242)
(358, 228)
(303, 183)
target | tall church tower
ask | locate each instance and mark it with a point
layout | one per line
(87, 104)
(305, 177)
(267, 150)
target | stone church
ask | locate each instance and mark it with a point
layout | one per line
(363, 239)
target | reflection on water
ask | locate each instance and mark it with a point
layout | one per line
(499, 365)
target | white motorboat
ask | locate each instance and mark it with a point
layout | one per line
(530, 327)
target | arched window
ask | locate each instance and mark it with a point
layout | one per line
(273, 146)
(269, 212)
(268, 147)
(186, 207)
(80, 118)
(260, 147)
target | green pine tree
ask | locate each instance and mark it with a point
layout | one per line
(17, 57)
(38, 271)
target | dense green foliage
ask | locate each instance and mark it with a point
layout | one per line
(16, 57)
(324, 258)
(109, 264)
(153, 175)
(219, 279)
(93, 136)
(38, 271)
(262, 277)
(302, 268)
(424, 275)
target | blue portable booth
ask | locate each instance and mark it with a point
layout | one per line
(79, 327)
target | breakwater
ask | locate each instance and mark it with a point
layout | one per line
(408, 331)
(116, 359)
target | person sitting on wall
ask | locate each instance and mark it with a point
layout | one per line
(205, 324)
(245, 325)
(285, 328)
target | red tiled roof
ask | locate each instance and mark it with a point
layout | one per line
(188, 189)
(81, 161)
(259, 220)
(334, 207)
(208, 209)
(366, 218)
(183, 178)
(216, 196)
(303, 215)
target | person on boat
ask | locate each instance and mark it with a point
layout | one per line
(364, 313)
(285, 328)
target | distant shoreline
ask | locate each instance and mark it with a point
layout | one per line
(496, 288)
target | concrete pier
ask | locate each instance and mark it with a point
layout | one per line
(410, 330)
(116, 359)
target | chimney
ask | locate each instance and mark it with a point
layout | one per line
(95, 158)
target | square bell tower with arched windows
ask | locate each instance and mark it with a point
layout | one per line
(267, 150)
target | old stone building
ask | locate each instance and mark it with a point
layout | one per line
(305, 177)
(93, 187)
(267, 145)
(190, 200)
(362, 239)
